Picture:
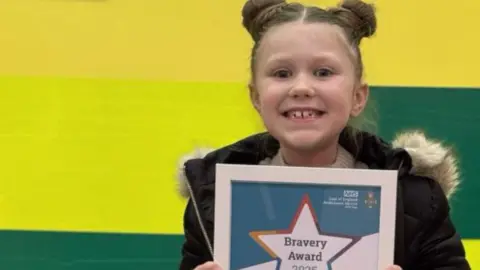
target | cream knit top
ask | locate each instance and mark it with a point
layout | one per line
(344, 160)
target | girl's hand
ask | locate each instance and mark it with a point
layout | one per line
(215, 266)
(393, 267)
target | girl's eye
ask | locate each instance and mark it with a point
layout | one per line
(322, 72)
(282, 73)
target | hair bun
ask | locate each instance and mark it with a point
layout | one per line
(253, 9)
(363, 21)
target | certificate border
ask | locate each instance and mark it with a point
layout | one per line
(227, 173)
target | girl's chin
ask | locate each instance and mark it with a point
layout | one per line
(303, 140)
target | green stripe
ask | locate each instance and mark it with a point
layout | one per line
(450, 115)
(29, 250)
(26, 250)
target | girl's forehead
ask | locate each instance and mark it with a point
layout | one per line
(299, 37)
(299, 33)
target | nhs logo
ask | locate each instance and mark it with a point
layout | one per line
(350, 194)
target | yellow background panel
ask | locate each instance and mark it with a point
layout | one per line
(99, 155)
(424, 43)
(473, 250)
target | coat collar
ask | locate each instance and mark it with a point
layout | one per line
(409, 153)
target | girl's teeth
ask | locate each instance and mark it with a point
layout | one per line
(301, 114)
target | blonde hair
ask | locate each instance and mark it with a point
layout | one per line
(355, 17)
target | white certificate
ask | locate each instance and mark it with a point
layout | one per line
(298, 218)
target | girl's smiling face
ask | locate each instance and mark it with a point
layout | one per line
(305, 84)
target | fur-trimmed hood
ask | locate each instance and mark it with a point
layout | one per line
(430, 158)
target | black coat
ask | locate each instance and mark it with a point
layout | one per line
(425, 237)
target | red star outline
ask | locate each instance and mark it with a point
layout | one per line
(305, 201)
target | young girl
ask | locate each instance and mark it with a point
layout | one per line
(306, 84)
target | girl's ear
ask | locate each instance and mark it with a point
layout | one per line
(254, 96)
(360, 98)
